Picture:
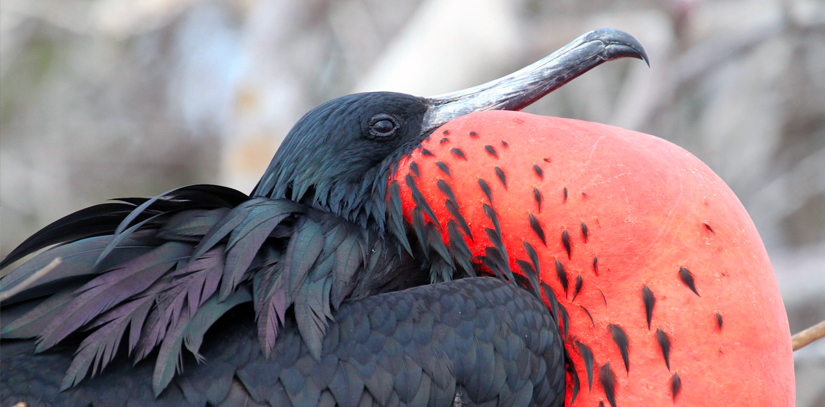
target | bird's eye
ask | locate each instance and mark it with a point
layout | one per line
(383, 126)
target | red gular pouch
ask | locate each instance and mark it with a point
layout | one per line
(666, 294)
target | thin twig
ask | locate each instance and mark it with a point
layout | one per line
(30, 280)
(804, 338)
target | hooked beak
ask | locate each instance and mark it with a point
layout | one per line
(529, 84)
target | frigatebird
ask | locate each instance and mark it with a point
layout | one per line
(351, 275)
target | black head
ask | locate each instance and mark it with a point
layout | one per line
(337, 153)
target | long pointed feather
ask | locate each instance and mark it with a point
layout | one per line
(124, 224)
(197, 281)
(65, 252)
(114, 217)
(93, 221)
(313, 314)
(246, 240)
(395, 216)
(205, 195)
(192, 332)
(265, 272)
(32, 323)
(99, 348)
(303, 250)
(207, 316)
(191, 224)
(189, 285)
(121, 236)
(261, 212)
(241, 256)
(225, 227)
(271, 313)
(77, 259)
(109, 289)
(348, 259)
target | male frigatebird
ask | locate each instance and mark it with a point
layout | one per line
(348, 276)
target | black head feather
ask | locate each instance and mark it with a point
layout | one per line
(340, 154)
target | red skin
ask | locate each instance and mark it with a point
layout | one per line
(650, 208)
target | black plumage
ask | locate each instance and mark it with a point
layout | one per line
(455, 212)
(608, 380)
(444, 168)
(650, 301)
(587, 356)
(453, 207)
(564, 318)
(458, 153)
(561, 274)
(589, 316)
(446, 189)
(575, 382)
(491, 151)
(578, 287)
(620, 338)
(687, 278)
(565, 240)
(485, 188)
(664, 345)
(538, 171)
(675, 385)
(420, 200)
(501, 176)
(415, 169)
(537, 229)
(458, 245)
(407, 347)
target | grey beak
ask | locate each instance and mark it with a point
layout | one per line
(529, 84)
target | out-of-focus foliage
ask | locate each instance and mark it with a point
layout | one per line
(109, 98)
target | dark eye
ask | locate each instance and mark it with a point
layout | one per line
(383, 126)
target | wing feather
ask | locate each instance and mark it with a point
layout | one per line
(111, 288)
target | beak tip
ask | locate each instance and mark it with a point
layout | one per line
(619, 44)
(643, 55)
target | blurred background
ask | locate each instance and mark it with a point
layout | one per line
(109, 98)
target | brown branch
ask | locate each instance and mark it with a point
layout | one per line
(30, 280)
(804, 338)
